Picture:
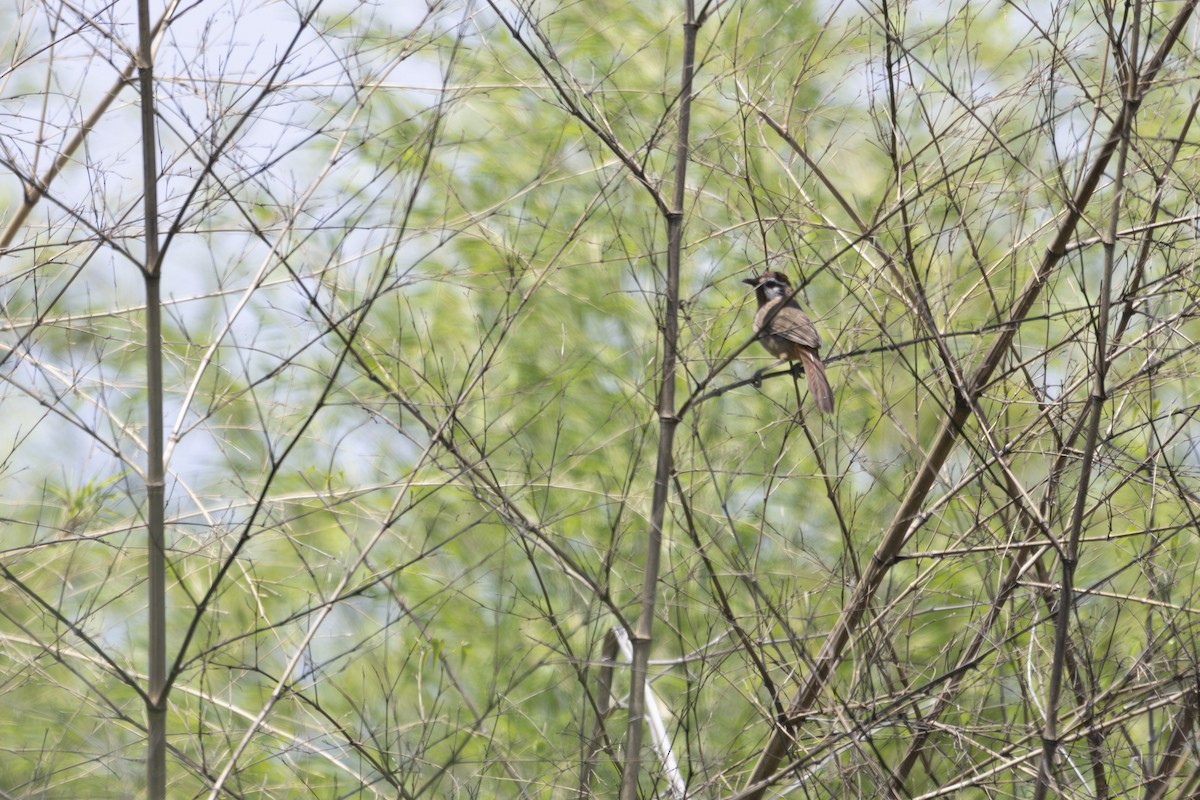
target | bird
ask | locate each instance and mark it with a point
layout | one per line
(787, 333)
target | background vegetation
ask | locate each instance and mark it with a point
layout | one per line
(401, 433)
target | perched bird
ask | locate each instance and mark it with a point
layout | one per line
(787, 332)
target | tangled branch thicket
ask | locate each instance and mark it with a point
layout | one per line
(458, 378)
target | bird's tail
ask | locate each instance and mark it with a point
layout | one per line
(818, 384)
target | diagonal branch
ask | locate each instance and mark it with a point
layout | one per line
(897, 532)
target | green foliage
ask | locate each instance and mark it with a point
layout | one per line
(413, 349)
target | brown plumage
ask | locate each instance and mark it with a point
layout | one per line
(787, 332)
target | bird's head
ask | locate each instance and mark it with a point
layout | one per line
(770, 285)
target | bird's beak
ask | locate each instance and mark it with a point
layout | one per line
(751, 281)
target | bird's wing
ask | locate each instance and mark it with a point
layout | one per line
(792, 324)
